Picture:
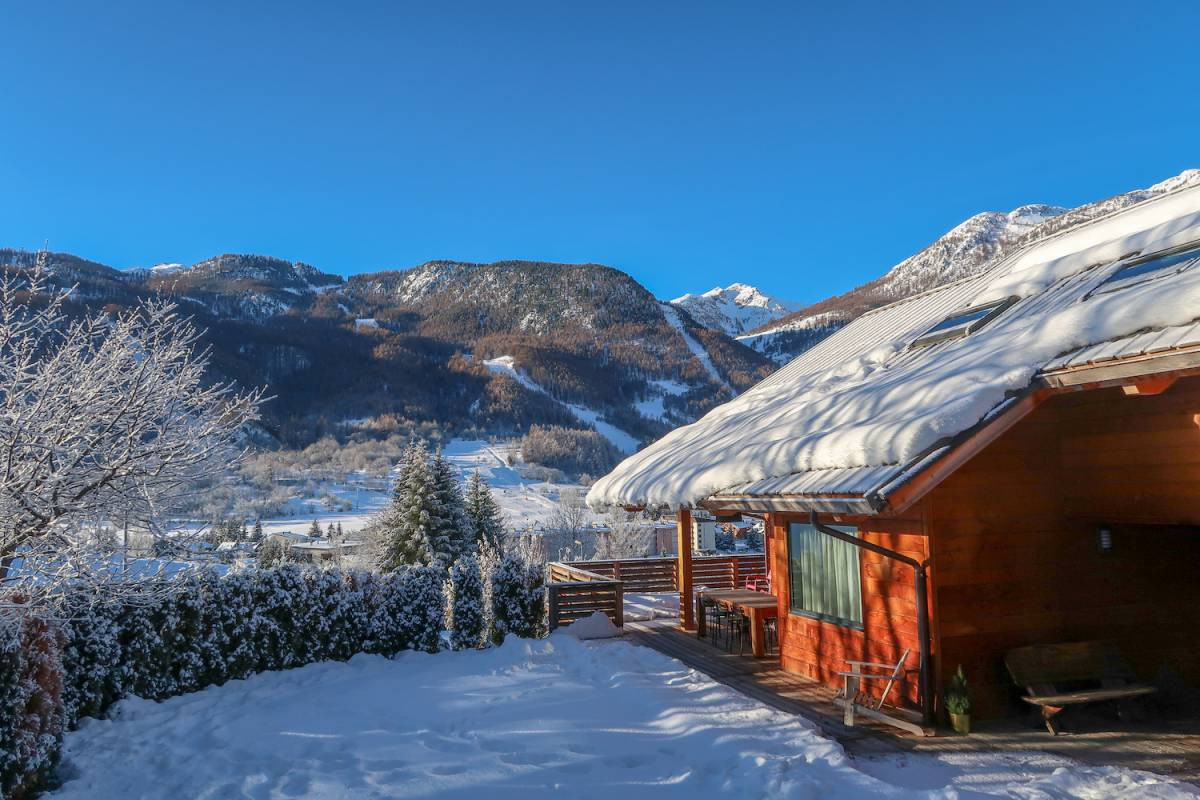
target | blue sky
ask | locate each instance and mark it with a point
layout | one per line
(800, 147)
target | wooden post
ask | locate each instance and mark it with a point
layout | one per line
(683, 531)
(552, 601)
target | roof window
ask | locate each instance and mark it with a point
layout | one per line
(962, 323)
(1155, 265)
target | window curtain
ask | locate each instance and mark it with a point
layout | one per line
(824, 574)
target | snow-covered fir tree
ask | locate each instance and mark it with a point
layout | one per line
(452, 537)
(256, 535)
(407, 524)
(314, 530)
(484, 520)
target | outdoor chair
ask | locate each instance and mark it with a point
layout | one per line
(848, 697)
(709, 609)
(771, 633)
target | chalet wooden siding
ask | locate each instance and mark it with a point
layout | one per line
(1013, 537)
(819, 649)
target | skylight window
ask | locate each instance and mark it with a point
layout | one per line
(1156, 265)
(963, 322)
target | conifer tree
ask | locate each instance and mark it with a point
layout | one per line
(340, 535)
(314, 530)
(484, 521)
(451, 535)
(407, 523)
(330, 532)
(257, 535)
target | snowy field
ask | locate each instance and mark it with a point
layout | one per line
(553, 718)
(526, 504)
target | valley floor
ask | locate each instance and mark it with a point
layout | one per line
(530, 719)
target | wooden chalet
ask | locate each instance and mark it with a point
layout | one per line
(1009, 460)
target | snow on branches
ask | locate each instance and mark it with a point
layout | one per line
(103, 418)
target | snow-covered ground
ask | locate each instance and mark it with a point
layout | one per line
(625, 442)
(654, 605)
(553, 718)
(526, 504)
(697, 349)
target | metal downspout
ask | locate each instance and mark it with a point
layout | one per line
(925, 676)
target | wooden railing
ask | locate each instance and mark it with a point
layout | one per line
(576, 589)
(573, 593)
(659, 574)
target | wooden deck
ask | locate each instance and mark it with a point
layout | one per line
(1168, 745)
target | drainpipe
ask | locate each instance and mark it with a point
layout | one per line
(925, 676)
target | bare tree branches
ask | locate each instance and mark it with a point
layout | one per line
(102, 417)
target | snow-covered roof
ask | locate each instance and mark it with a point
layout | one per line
(864, 410)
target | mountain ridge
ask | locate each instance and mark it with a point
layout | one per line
(735, 309)
(964, 250)
(401, 349)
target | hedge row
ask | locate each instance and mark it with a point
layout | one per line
(199, 629)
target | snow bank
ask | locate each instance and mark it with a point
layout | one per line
(597, 626)
(531, 719)
(888, 405)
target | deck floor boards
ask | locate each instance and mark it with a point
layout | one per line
(1166, 746)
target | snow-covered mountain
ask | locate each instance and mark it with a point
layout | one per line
(964, 250)
(583, 345)
(735, 309)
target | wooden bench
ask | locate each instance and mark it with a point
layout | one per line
(1059, 675)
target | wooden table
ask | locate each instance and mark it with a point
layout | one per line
(758, 606)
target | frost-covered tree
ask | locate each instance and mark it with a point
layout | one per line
(102, 417)
(484, 520)
(256, 535)
(424, 524)
(314, 530)
(465, 617)
(271, 553)
(331, 532)
(452, 535)
(626, 536)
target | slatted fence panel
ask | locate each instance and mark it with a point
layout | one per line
(573, 593)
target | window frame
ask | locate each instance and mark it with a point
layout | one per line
(933, 335)
(1114, 282)
(793, 609)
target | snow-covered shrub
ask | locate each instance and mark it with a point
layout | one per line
(32, 718)
(185, 634)
(518, 598)
(145, 656)
(418, 608)
(352, 629)
(232, 611)
(93, 675)
(465, 617)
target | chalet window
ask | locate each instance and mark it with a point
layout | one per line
(963, 322)
(1155, 265)
(824, 576)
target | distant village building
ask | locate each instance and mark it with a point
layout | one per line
(303, 547)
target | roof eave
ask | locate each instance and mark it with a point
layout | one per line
(852, 505)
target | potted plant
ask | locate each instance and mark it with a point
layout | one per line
(958, 704)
